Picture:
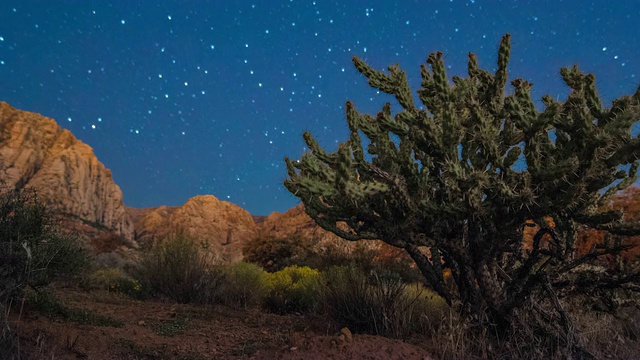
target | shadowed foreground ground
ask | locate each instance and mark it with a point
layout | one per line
(132, 329)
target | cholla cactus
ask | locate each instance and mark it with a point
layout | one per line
(467, 172)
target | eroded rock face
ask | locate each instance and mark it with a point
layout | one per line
(36, 152)
(295, 220)
(223, 225)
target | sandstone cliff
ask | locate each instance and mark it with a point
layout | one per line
(36, 152)
(223, 225)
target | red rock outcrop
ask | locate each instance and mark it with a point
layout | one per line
(296, 221)
(221, 224)
(36, 152)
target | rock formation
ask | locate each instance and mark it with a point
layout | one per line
(296, 221)
(36, 152)
(223, 225)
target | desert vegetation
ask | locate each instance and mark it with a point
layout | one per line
(365, 297)
(33, 252)
(368, 299)
(458, 180)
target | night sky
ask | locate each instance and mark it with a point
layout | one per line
(180, 98)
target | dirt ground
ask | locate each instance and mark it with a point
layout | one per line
(161, 330)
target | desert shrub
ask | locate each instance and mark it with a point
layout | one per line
(59, 256)
(275, 253)
(117, 280)
(463, 169)
(379, 303)
(33, 251)
(180, 269)
(293, 289)
(244, 285)
(115, 259)
(367, 257)
(334, 254)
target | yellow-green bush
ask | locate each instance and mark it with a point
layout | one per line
(293, 289)
(244, 285)
(115, 279)
(422, 309)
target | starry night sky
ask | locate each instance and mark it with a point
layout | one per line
(185, 97)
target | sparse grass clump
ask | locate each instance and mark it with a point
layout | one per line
(169, 327)
(180, 269)
(379, 303)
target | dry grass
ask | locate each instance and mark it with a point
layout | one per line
(380, 304)
(602, 335)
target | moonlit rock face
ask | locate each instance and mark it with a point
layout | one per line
(295, 221)
(217, 225)
(36, 152)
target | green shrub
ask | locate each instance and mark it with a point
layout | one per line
(293, 289)
(33, 252)
(244, 285)
(378, 303)
(116, 280)
(182, 270)
(32, 249)
(368, 257)
(276, 253)
(422, 309)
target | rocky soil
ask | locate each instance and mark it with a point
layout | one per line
(163, 330)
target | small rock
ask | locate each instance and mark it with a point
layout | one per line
(141, 323)
(293, 348)
(347, 334)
